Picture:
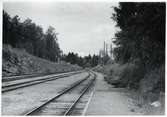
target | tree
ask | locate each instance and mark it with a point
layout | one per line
(95, 60)
(142, 34)
(29, 36)
(52, 47)
(6, 27)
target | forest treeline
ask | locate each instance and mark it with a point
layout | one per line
(141, 44)
(29, 36)
(142, 34)
(86, 61)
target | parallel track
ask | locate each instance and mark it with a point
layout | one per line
(10, 87)
(67, 90)
(28, 76)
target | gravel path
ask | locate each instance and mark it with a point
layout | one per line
(18, 102)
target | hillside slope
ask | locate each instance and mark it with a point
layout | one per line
(19, 62)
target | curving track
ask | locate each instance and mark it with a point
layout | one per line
(65, 102)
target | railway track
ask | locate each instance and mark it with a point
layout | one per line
(66, 101)
(28, 76)
(13, 85)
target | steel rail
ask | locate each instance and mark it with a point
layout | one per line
(31, 112)
(68, 112)
(30, 83)
(40, 79)
(13, 78)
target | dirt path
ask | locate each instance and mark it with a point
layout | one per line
(107, 100)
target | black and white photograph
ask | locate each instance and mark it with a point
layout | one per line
(83, 58)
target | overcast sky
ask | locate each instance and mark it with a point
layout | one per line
(82, 26)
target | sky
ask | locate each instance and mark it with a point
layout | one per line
(82, 26)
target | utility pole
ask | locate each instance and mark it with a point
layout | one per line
(111, 51)
(104, 54)
(106, 49)
(111, 48)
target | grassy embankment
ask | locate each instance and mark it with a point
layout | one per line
(19, 62)
(146, 87)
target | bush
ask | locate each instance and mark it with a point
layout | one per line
(7, 53)
(131, 74)
(153, 81)
(124, 74)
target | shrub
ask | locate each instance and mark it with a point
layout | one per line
(153, 81)
(131, 74)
